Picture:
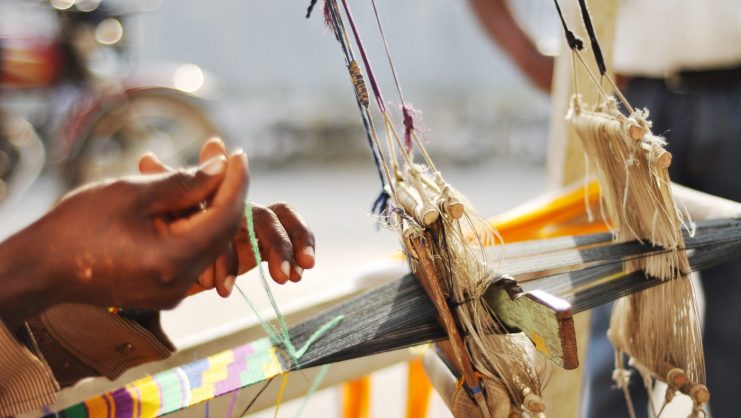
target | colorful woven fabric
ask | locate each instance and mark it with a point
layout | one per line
(185, 386)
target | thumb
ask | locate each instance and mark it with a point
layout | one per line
(207, 230)
(185, 189)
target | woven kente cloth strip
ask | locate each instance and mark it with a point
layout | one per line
(185, 386)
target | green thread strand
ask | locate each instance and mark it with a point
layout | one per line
(278, 336)
(319, 333)
(269, 329)
(312, 389)
(263, 280)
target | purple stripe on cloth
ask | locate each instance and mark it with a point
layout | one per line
(232, 380)
(184, 387)
(124, 403)
(138, 401)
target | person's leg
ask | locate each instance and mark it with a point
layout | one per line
(715, 168)
(722, 338)
(603, 399)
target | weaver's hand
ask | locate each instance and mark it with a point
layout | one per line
(113, 243)
(284, 240)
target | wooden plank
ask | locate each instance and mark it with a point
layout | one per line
(545, 319)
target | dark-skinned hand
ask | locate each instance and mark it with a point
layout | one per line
(111, 243)
(284, 240)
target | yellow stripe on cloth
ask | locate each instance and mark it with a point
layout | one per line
(272, 368)
(148, 394)
(216, 372)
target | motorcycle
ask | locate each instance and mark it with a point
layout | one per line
(95, 115)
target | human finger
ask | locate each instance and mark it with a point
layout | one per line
(150, 164)
(223, 270)
(206, 233)
(185, 189)
(275, 244)
(300, 235)
(243, 248)
(214, 147)
(206, 279)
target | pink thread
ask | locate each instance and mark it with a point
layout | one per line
(328, 17)
(232, 404)
(407, 112)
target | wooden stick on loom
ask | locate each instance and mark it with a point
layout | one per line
(427, 276)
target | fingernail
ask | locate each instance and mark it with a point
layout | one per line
(309, 251)
(229, 283)
(214, 166)
(285, 267)
(240, 152)
(298, 270)
(216, 139)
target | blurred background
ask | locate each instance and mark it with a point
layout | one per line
(87, 87)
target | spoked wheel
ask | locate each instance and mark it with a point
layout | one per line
(163, 122)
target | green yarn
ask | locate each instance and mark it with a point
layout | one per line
(312, 389)
(318, 334)
(278, 336)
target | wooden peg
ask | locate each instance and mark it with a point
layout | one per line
(661, 157)
(412, 204)
(453, 207)
(676, 378)
(449, 202)
(636, 132)
(700, 394)
(533, 403)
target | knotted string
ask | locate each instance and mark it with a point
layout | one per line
(572, 40)
(332, 17)
(596, 50)
(577, 45)
(359, 42)
(311, 8)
